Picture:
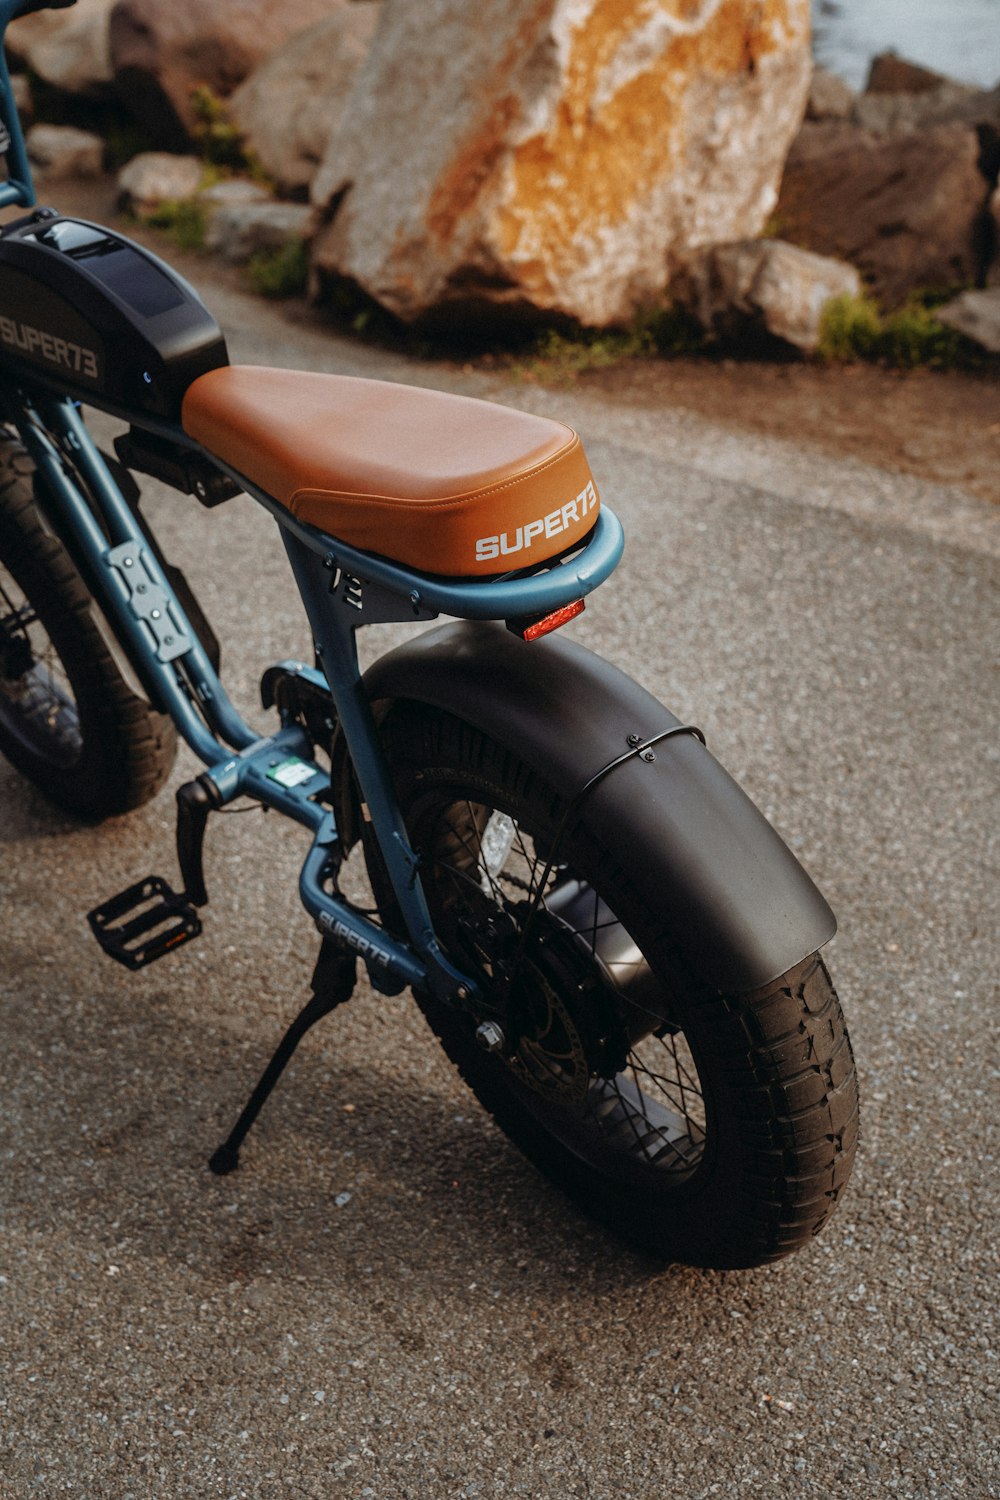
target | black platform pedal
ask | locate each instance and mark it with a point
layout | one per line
(144, 923)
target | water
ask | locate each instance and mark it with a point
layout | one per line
(960, 38)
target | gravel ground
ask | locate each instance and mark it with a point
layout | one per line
(386, 1300)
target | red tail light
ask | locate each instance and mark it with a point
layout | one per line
(530, 630)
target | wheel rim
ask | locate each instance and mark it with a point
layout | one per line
(604, 1071)
(37, 704)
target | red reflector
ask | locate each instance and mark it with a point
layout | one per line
(550, 622)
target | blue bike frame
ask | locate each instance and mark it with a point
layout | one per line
(342, 589)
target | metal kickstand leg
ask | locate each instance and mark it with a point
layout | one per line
(332, 984)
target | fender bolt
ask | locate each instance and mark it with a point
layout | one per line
(489, 1036)
(648, 755)
(633, 740)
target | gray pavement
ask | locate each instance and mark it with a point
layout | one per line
(386, 1300)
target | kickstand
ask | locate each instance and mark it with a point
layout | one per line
(332, 984)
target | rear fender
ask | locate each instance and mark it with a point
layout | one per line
(740, 909)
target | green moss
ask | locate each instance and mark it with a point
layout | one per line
(559, 358)
(854, 329)
(850, 329)
(280, 273)
(219, 141)
(675, 331)
(184, 219)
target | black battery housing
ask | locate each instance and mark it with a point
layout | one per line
(101, 318)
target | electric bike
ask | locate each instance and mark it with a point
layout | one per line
(616, 950)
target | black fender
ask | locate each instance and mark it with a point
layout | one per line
(740, 907)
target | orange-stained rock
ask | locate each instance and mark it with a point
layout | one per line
(556, 154)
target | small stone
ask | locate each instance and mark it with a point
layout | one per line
(239, 230)
(155, 177)
(64, 151)
(762, 286)
(977, 316)
(233, 190)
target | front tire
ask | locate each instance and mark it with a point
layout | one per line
(68, 719)
(713, 1129)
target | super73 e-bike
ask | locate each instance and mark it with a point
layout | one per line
(614, 947)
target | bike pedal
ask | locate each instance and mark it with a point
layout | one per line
(144, 923)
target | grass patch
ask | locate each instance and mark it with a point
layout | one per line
(280, 273)
(556, 358)
(854, 329)
(185, 220)
(219, 141)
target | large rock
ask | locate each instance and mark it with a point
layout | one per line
(162, 53)
(905, 209)
(69, 49)
(551, 154)
(756, 287)
(290, 106)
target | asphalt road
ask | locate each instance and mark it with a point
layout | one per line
(386, 1300)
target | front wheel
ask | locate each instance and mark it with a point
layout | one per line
(68, 719)
(714, 1129)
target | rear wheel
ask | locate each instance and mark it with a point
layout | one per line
(68, 719)
(714, 1129)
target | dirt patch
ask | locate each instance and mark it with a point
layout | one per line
(942, 426)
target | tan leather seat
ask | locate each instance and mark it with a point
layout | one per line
(444, 483)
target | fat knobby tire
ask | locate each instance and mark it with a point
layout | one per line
(126, 749)
(775, 1066)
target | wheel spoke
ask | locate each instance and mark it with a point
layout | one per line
(487, 873)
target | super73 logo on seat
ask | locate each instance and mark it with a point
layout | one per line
(551, 525)
(37, 344)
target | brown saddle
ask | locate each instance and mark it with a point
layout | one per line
(445, 484)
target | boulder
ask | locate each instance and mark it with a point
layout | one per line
(239, 230)
(61, 151)
(977, 315)
(756, 287)
(905, 209)
(526, 155)
(69, 49)
(902, 95)
(892, 112)
(161, 54)
(830, 98)
(155, 177)
(290, 106)
(891, 74)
